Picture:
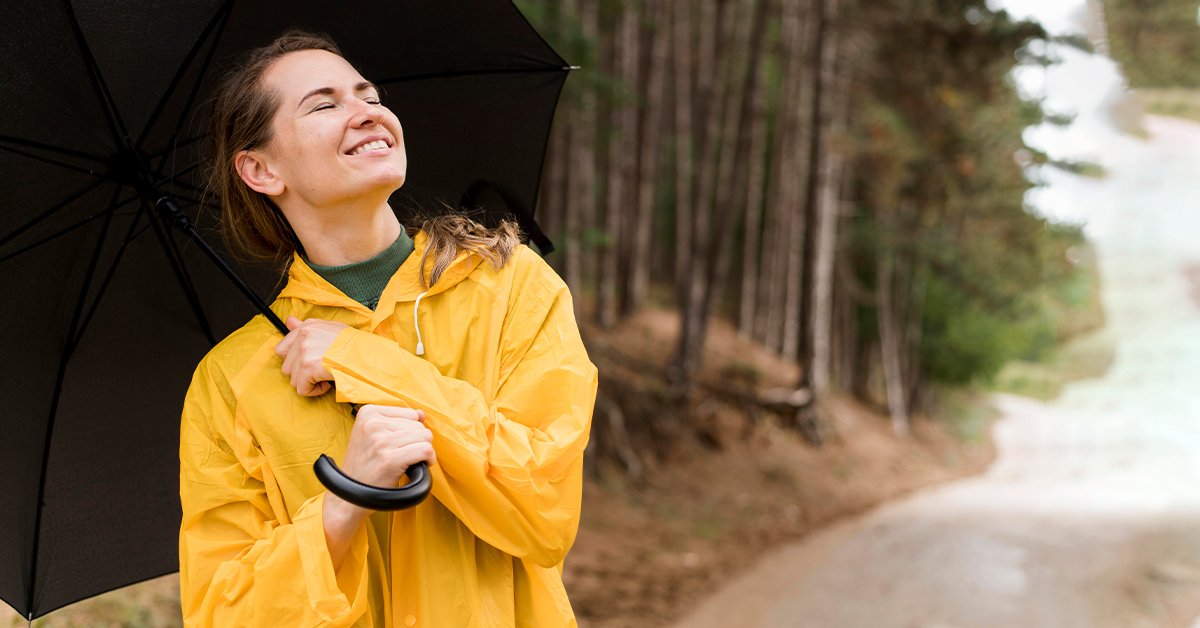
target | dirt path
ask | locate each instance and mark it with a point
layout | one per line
(1091, 514)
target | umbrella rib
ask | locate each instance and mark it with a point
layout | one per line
(68, 350)
(60, 164)
(150, 224)
(50, 148)
(185, 280)
(187, 186)
(57, 234)
(116, 125)
(70, 228)
(177, 145)
(189, 200)
(112, 270)
(533, 30)
(169, 151)
(5, 239)
(222, 18)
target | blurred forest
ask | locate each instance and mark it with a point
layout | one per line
(1156, 41)
(843, 180)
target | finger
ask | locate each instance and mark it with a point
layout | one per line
(390, 433)
(315, 390)
(417, 434)
(289, 362)
(299, 377)
(392, 412)
(293, 323)
(299, 383)
(402, 432)
(316, 386)
(285, 345)
(413, 453)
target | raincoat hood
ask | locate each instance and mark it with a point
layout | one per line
(305, 284)
(507, 390)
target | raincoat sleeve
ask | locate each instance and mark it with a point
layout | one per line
(243, 561)
(511, 467)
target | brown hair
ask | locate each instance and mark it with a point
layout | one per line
(251, 223)
(452, 232)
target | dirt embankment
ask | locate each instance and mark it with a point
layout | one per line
(725, 493)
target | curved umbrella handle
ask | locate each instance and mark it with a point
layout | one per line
(374, 497)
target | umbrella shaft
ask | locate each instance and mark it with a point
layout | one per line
(169, 210)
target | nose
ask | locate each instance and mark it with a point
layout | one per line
(365, 115)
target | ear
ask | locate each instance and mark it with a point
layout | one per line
(256, 172)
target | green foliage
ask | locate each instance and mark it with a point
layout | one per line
(1088, 169)
(1156, 42)
(1076, 41)
(962, 342)
(940, 183)
(1178, 102)
(972, 330)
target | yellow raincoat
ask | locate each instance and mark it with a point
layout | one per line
(507, 389)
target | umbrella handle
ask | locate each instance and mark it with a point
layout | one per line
(374, 497)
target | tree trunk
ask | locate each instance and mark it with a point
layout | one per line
(780, 213)
(629, 137)
(816, 168)
(683, 62)
(735, 157)
(810, 128)
(890, 342)
(752, 240)
(648, 161)
(583, 179)
(621, 135)
(694, 297)
(828, 206)
(915, 314)
(570, 223)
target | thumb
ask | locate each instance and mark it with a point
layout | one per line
(315, 390)
(292, 323)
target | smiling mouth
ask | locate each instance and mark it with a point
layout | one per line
(369, 146)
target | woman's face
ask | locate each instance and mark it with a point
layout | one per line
(332, 142)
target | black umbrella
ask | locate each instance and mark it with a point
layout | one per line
(105, 309)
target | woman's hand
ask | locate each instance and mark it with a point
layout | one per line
(302, 351)
(384, 442)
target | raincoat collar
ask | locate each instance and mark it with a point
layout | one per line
(305, 284)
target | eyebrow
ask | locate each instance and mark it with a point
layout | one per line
(329, 91)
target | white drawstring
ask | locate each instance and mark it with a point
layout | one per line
(417, 324)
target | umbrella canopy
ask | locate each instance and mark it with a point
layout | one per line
(105, 311)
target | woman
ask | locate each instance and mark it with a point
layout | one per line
(468, 349)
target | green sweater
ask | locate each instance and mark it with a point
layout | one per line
(364, 281)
